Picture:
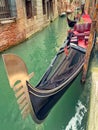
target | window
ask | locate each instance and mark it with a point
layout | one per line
(28, 8)
(44, 6)
(7, 9)
(31, 9)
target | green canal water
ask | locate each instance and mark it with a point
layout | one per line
(70, 113)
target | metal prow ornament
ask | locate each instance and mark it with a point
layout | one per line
(18, 75)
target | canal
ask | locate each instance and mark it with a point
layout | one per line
(70, 113)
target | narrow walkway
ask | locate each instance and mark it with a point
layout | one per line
(93, 112)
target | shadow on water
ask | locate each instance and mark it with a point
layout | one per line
(70, 113)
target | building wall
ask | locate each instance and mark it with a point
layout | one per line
(12, 30)
(64, 5)
(15, 30)
(40, 21)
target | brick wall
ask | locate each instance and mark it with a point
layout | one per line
(15, 31)
(10, 35)
(12, 31)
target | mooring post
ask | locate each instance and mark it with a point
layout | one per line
(87, 4)
(90, 42)
(88, 52)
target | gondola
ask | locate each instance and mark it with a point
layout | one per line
(62, 14)
(69, 11)
(71, 23)
(64, 68)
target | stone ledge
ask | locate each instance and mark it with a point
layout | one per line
(7, 20)
(93, 112)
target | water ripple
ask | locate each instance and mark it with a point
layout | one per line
(76, 121)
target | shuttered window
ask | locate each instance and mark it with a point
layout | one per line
(31, 8)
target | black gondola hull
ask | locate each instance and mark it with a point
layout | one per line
(48, 103)
(44, 98)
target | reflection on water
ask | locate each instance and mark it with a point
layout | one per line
(39, 127)
(75, 122)
(79, 120)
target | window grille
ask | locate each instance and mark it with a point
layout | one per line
(7, 9)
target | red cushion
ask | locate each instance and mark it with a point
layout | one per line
(87, 26)
(82, 27)
(75, 32)
(82, 43)
(87, 32)
(86, 18)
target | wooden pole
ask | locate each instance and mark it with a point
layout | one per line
(88, 52)
(87, 5)
(90, 42)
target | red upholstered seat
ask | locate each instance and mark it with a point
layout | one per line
(86, 18)
(81, 37)
(74, 40)
(75, 32)
(86, 37)
(82, 41)
(87, 32)
(82, 29)
(87, 26)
